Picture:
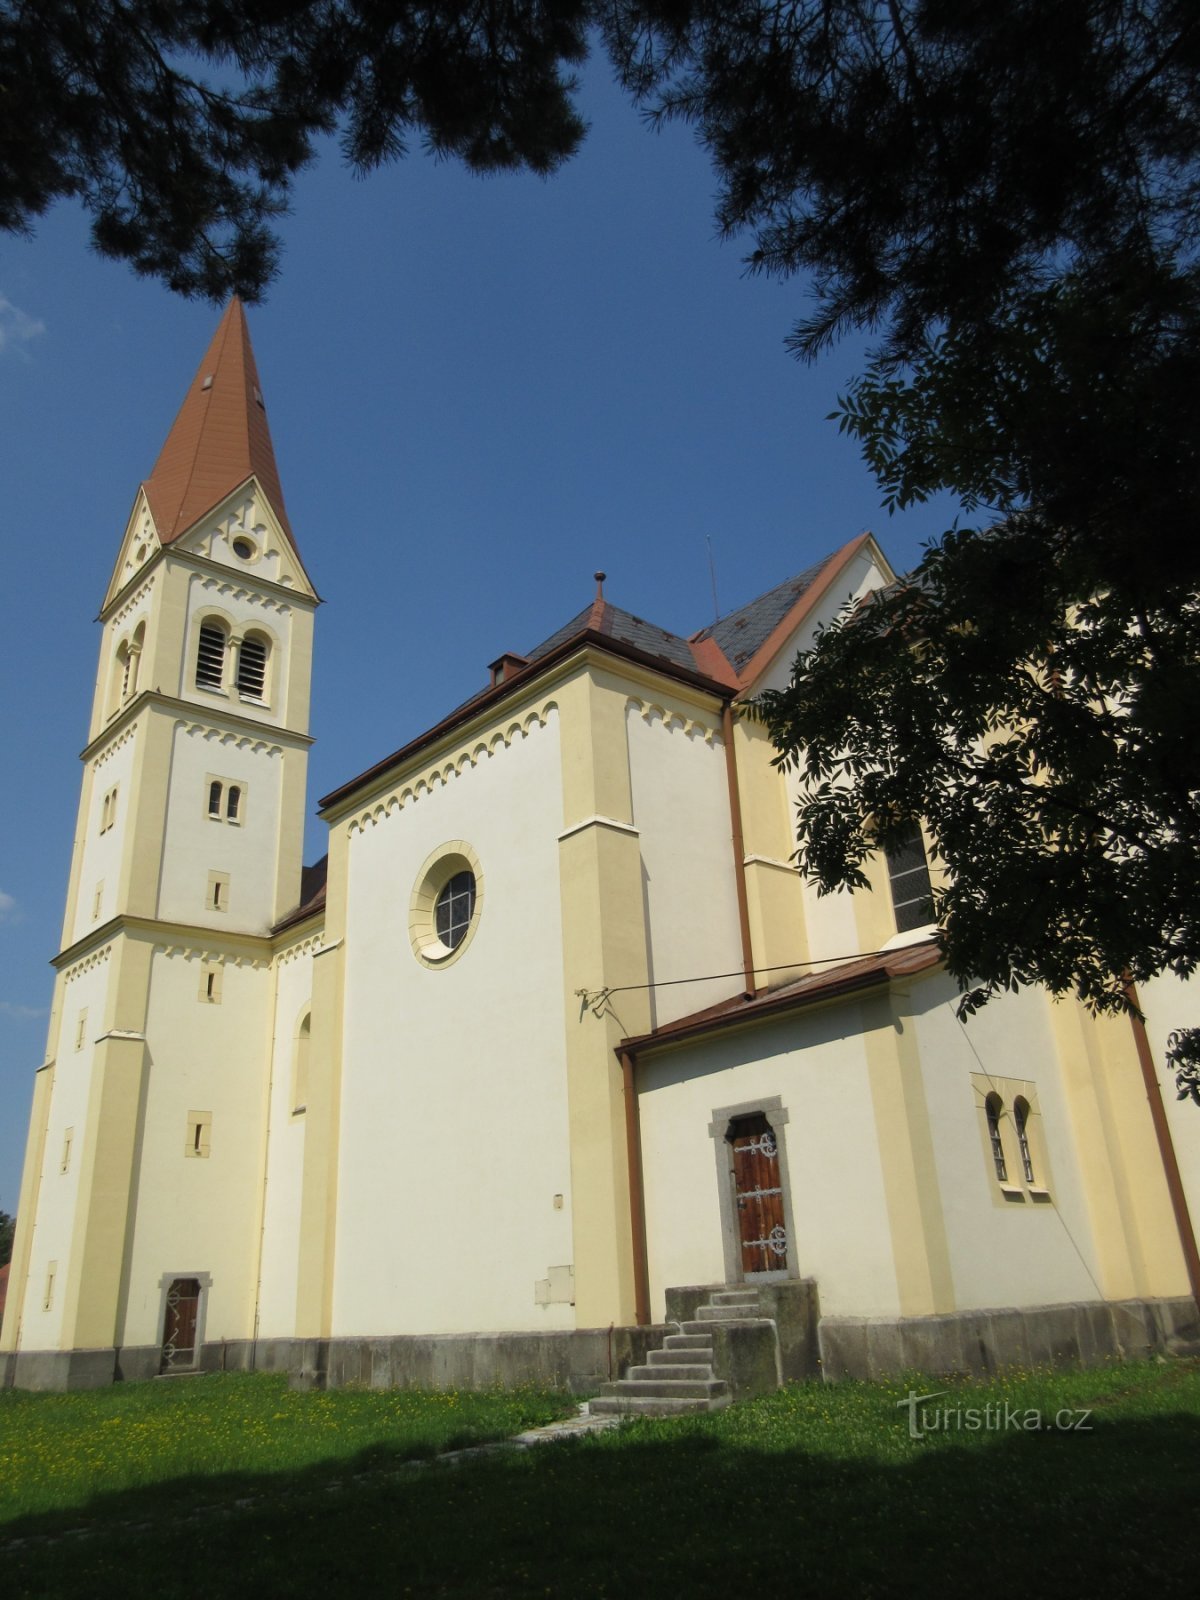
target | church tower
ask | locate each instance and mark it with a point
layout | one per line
(187, 851)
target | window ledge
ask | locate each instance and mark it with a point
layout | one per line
(1011, 1191)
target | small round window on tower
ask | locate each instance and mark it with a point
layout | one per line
(244, 548)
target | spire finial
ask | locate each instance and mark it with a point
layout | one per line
(599, 577)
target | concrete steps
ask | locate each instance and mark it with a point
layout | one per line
(678, 1379)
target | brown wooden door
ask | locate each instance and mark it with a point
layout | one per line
(179, 1324)
(758, 1195)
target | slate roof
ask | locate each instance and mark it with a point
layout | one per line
(743, 632)
(624, 626)
(219, 438)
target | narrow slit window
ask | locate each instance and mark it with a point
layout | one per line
(234, 803)
(908, 875)
(252, 669)
(214, 800)
(210, 658)
(1021, 1123)
(993, 1107)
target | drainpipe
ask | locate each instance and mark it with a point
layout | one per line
(1166, 1149)
(739, 850)
(637, 1195)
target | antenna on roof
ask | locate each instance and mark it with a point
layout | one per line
(712, 572)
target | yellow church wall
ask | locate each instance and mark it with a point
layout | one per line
(817, 1064)
(196, 845)
(27, 1206)
(98, 870)
(205, 1059)
(1169, 1003)
(84, 1017)
(680, 809)
(283, 1176)
(454, 1179)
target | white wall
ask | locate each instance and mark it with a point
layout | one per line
(681, 812)
(102, 852)
(200, 1215)
(194, 844)
(454, 1136)
(1014, 1253)
(285, 1154)
(817, 1066)
(59, 1191)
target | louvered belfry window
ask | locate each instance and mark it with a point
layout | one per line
(210, 659)
(252, 670)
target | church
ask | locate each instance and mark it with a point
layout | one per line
(555, 1047)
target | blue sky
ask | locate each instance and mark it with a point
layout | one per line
(480, 390)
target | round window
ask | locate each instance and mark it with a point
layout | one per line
(454, 908)
(244, 549)
(445, 906)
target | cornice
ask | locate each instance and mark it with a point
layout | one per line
(189, 711)
(587, 650)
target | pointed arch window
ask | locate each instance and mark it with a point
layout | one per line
(210, 656)
(300, 1065)
(993, 1107)
(252, 668)
(1021, 1124)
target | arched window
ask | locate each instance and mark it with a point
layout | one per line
(454, 908)
(134, 659)
(300, 1066)
(1021, 1124)
(125, 667)
(210, 656)
(214, 799)
(908, 875)
(233, 804)
(252, 668)
(994, 1107)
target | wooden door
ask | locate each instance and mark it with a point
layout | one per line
(179, 1324)
(758, 1195)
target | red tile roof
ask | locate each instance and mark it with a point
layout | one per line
(875, 970)
(219, 439)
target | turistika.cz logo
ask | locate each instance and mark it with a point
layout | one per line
(998, 1416)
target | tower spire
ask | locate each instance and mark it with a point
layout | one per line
(219, 438)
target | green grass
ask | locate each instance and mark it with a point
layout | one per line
(59, 1451)
(814, 1490)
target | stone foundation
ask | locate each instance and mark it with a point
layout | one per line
(977, 1343)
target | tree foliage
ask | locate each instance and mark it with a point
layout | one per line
(8, 1226)
(181, 124)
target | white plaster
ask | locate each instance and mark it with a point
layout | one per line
(816, 1064)
(1020, 1253)
(681, 812)
(201, 1215)
(454, 1135)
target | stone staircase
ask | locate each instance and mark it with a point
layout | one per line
(679, 1377)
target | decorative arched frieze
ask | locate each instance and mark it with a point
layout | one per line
(110, 750)
(674, 721)
(226, 590)
(306, 947)
(88, 964)
(448, 768)
(140, 594)
(193, 952)
(223, 736)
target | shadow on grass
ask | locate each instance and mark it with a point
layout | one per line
(664, 1512)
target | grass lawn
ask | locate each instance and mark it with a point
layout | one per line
(815, 1489)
